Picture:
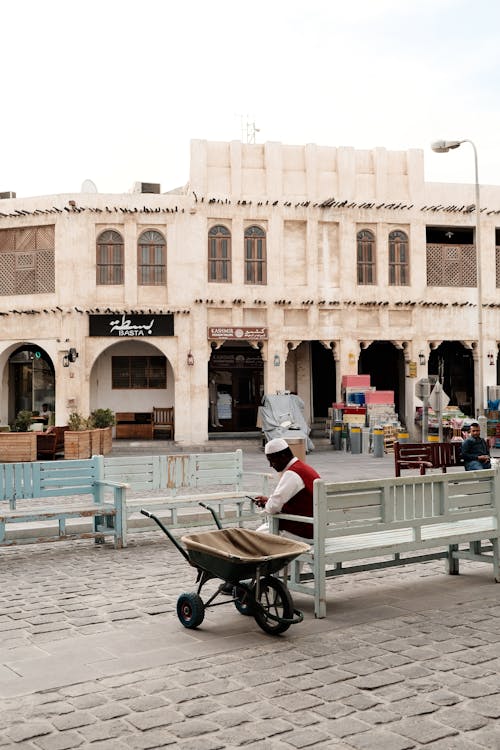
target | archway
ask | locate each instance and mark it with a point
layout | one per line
(31, 380)
(323, 380)
(385, 365)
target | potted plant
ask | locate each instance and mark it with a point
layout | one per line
(103, 420)
(19, 445)
(77, 440)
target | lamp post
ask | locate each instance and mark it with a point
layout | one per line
(441, 147)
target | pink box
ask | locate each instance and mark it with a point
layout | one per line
(379, 397)
(355, 381)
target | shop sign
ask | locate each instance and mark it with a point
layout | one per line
(225, 333)
(222, 360)
(134, 326)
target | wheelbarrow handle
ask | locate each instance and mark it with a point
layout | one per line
(214, 514)
(166, 531)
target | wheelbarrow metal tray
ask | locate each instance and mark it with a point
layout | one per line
(235, 554)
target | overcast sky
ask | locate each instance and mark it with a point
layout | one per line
(114, 90)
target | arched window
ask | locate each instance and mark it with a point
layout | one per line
(219, 254)
(399, 272)
(151, 259)
(255, 256)
(366, 257)
(109, 258)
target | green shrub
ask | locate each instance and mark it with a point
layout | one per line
(102, 418)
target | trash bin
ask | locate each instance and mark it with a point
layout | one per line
(298, 447)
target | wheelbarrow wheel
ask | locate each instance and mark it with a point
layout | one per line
(190, 610)
(244, 601)
(276, 606)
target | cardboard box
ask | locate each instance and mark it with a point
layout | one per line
(355, 381)
(379, 397)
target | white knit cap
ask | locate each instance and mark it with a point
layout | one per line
(275, 446)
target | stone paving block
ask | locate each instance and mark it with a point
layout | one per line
(105, 730)
(111, 710)
(379, 715)
(488, 736)
(361, 701)
(233, 718)
(422, 729)
(88, 701)
(61, 741)
(380, 739)
(487, 706)
(473, 689)
(463, 719)
(297, 701)
(148, 740)
(307, 738)
(453, 743)
(377, 680)
(443, 698)
(346, 726)
(241, 698)
(334, 710)
(28, 730)
(159, 717)
(335, 691)
(200, 707)
(73, 720)
(145, 703)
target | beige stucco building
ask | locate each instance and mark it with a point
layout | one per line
(275, 268)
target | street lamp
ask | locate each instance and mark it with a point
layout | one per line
(441, 147)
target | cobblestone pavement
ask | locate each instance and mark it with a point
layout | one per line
(92, 655)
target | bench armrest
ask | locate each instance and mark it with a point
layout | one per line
(120, 503)
(274, 518)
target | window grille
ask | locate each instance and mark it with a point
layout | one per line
(255, 256)
(398, 259)
(366, 257)
(27, 264)
(109, 258)
(451, 265)
(219, 254)
(151, 261)
(139, 372)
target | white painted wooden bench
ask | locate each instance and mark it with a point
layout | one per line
(177, 483)
(41, 481)
(396, 521)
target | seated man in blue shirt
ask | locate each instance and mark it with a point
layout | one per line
(475, 451)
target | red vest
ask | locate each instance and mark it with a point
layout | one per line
(300, 504)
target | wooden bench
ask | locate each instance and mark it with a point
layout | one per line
(398, 521)
(41, 480)
(131, 425)
(184, 480)
(423, 456)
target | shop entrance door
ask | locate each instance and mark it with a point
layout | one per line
(236, 386)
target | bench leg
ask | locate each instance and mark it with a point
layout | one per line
(319, 587)
(496, 560)
(452, 563)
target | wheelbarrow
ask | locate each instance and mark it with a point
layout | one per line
(245, 561)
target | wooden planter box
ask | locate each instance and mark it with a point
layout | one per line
(77, 444)
(106, 435)
(18, 446)
(95, 442)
